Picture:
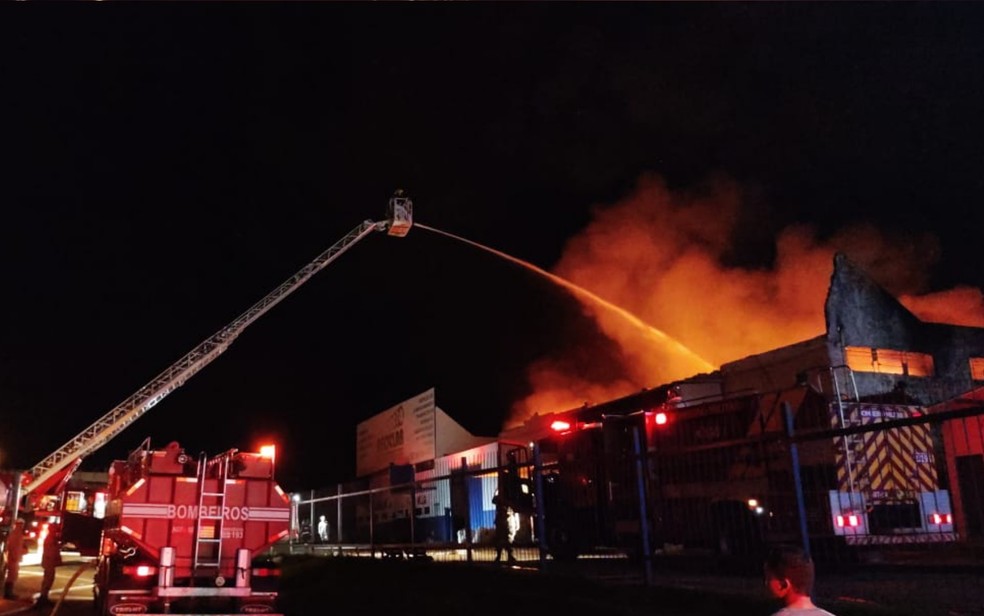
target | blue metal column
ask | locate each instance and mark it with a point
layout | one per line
(797, 479)
(647, 555)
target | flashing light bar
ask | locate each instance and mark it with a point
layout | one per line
(941, 518)
(559, 425)
(850, 520)
(268, 451)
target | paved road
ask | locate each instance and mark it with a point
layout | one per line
(76, 602)
(930, 593)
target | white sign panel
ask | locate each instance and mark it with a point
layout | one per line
(403, 434)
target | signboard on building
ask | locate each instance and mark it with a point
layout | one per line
(402, 434)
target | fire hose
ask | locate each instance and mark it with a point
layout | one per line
(68, 585)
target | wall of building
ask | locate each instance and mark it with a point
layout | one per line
(860, 313)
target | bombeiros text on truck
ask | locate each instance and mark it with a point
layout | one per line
(198, 523)
(187, 535)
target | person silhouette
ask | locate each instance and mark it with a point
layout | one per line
(50, 560)
(15, 551)
(789, 577)
(502, 534)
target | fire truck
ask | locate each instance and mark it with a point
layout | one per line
(190, 535)
(723, 476)
(585, 496)
(715, 473)
(40, 491)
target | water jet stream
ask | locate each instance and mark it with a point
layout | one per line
(583, 294)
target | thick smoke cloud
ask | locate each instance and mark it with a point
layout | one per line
(662, 255)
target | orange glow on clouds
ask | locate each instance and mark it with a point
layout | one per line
(662, 256)
(957, 306)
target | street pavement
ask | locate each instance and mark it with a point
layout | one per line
(29, 584)
(14, 606)
(930, 593)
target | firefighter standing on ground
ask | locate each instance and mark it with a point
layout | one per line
(502, 534)
(50, 559)
(14, 552)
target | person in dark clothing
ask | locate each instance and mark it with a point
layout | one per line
(15, 550)
(502, 539)
(50, 559)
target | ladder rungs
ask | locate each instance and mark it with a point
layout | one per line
(219, 500)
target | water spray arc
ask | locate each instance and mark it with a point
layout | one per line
(587, 296)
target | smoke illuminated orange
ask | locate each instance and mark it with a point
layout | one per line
(663, 255)
(650, 335)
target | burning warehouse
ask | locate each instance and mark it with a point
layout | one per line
(865, 436)
(880, 457)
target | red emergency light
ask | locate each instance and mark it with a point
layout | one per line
(268, 451)
(850, 520)
(140, 570)
(941, 518)
(559, 425)
(660, 419)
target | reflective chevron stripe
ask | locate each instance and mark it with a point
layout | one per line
(894, 463)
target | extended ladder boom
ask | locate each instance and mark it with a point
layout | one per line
(55, 466)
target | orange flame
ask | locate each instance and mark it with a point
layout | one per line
(664, 256)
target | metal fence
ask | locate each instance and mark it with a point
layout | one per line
(868, 489)
(437, 516)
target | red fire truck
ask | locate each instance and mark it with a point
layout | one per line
(40, 492)
(185, 535)
(718, 474)
(876, 487)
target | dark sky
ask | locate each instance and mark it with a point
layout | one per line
(164, 166)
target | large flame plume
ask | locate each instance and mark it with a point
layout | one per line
(663, 255)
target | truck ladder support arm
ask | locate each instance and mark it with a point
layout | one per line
(113, 422)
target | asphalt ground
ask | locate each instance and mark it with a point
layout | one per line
(907, 586)
(75, 573)
(407, 586)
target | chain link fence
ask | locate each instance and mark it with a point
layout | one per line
(868, 489)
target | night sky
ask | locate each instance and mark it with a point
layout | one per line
(164, 166)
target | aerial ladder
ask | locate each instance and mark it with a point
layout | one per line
(51, 475)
